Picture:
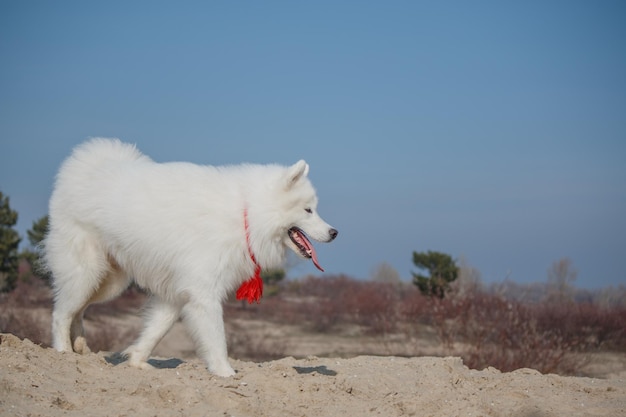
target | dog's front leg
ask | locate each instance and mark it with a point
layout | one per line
(160, 316)
(205, 323)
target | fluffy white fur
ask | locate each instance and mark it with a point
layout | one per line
(177, 229)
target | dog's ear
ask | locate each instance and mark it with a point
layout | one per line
(296, 172)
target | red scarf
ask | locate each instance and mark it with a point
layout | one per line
(252, 289)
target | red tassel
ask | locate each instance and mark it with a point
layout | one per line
(252, 289)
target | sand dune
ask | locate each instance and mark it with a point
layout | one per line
(42, 382)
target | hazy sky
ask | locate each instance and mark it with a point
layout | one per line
(492, 131)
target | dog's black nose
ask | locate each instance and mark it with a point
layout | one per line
(333, 233)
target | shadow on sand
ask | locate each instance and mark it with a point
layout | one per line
(116, 358)
(322, 370)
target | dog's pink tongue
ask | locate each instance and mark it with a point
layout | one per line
(314, 259)
(310, 250)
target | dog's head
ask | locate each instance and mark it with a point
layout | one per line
(303, 219)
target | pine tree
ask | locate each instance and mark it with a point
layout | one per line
(442, 271)
(9, 241)
(35, 236)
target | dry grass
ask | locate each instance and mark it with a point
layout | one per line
(484, 328)
(18, 311)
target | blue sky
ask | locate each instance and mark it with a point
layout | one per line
(492, 131)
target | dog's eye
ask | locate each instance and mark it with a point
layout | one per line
(308, 210)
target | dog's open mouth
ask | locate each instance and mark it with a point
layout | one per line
(304, 245)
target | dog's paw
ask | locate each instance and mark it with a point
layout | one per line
(136, 359)
(80, 345)
(140, 365)
(224, 371)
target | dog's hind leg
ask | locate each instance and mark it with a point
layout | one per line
(71, 300)
(160, 316)
(113, 284)
(79, 266)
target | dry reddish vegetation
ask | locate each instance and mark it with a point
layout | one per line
(483, 328)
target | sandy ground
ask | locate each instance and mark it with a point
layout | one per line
(36, 381)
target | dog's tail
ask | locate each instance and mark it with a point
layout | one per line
(106, 151)
(95, 157)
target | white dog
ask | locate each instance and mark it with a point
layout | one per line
(189, 234)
